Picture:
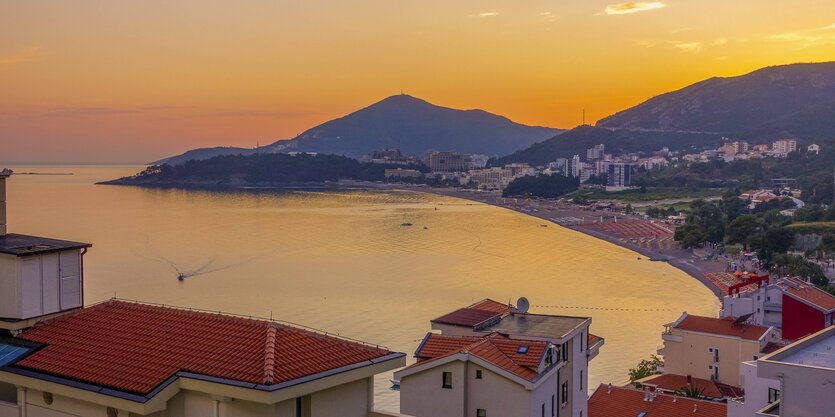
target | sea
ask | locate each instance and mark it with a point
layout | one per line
(343, 261)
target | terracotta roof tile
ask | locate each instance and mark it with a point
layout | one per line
(624, 402)
(466, 317)
(722, 326)
(811, 294)
(135, 347)
(709, 389)
(495, 348)
(491, 305)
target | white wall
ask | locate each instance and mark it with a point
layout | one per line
(9, 273)
(756, 391)
(421, 394)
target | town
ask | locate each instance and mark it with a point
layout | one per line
(766, 354)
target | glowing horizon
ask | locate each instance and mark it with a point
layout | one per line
(118, 82)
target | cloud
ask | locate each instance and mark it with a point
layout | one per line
(806, 38)
(488, 14)
(632, 7)
(21, 55)
(720, 41)
(692, 47)
(548, 17)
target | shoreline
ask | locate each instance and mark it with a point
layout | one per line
(677, 261)
(682, 261)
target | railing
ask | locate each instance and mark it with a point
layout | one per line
(9, 409)
(380, 413)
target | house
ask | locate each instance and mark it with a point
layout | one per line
(59, 358)
(793, 305)
(712, 348)
(121, 357)
(610, 401)
(814, 148)
(492, 358)
(676, 384)
(796, 380)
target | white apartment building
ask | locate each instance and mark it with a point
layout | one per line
(795, 381)
(784, 146)
(491, 359)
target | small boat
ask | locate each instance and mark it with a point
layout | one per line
(181, 277)
(407, 224)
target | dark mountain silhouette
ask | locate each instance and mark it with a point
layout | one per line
(411, 124)
(773, 99)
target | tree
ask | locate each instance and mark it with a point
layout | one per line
(645, 368)
(690, 391)
(742, 229)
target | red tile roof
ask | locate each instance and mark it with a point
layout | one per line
(811, 294)
(491, 305)
(721, 326)
(495, 348)
(474, 314)
(468, 317)
(624, 402)
(709, 389)
(134, 347)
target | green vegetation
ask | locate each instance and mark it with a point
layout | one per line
(690, 391)
(648, 194)
(263, 168)
(765, 231)
(645, 368)
(547, 186)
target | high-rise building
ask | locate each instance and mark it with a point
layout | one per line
(448, 161)
(619, 174)
(784, 146)
(572, 167)
(596, 152)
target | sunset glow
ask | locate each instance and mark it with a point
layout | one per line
(138, 81)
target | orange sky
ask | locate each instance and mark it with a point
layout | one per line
(135, 81)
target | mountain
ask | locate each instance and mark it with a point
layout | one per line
(411, 124)
(203, 153)
(617, 141)
(780, 100)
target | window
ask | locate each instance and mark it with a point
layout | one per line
(112, 412)
(447, 382)
(716, 355)
(8, 393)
(522, 350)
(480, 412)
(773, 395)
(552, 406)
(582, 339)
(564, 393)
(543, 409)
(565, 352)
(715, 375)
(581, 380)
(478, 374)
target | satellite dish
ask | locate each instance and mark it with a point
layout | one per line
(522, 304)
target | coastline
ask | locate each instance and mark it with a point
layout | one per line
(680, 259)
(677, 260)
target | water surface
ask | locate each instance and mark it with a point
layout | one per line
(342, 262)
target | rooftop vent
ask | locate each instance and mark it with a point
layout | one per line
(522, 350)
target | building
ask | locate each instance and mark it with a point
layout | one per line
(792, 305)
(609, 401)
(814, 148)
(712, 348)
(795, 381)
(572, 167)
(783, 147)
(126, 358)
(596, 152)
(400, 173)
(491, 359)
(619, 175)
(494, 178)
(448, 162)
(675, 384)
(734, 148)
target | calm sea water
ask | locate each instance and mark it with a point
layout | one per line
(341, 261)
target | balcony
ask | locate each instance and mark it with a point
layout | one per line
(771, 410)
(769, 306)
(669, 337)
(660, 350)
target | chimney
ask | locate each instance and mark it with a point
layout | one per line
(646, 395)
(609, 391)
(3, 175)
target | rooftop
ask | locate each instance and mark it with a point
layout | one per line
(537, 325)
(135, 348)
(608, 401)
(474, 314)
(23, 245)
(721, 326)
(708, 388)
(809, 293)
(819, 353)
(520, 357)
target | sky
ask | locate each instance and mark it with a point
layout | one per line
(107, 81)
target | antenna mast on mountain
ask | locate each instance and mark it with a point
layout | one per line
(584, 117)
